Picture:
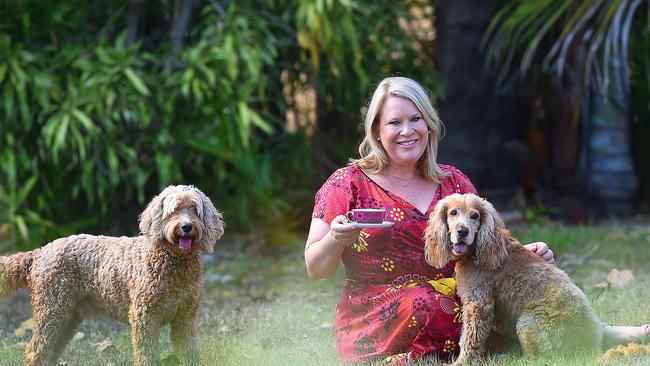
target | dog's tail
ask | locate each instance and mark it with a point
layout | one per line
(14, 270)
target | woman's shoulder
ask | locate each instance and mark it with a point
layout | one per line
(345, 176)
(451, 171)
(456, 179)
(353, 170)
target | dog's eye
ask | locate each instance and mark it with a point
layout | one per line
(453, 212)
(195, 210)
(474, 216)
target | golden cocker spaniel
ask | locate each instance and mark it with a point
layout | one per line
(503, 284)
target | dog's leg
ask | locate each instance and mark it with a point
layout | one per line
(478, 315)
(145, 330)
(50, 319)
(66, 334)
(183, 335)
(42, 348)
(529, 335)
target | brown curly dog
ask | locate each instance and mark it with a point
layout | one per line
(501, 283)
(146, 281)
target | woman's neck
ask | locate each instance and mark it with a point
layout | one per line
(404, 172)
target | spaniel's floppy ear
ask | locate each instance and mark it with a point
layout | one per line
(213, 221)
(490, 242)
(436, 237)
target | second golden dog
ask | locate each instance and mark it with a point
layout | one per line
(502, 283)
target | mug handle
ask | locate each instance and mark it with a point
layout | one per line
(349, 216)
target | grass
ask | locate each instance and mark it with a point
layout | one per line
(263, 310)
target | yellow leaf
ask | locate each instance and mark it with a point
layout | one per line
(620, 279)
(26, 325)
(103, 345)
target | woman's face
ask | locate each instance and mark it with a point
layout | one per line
(402, 130)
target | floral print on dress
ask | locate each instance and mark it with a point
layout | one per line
(340, 174)
(387, 264)
(396, 214)
(364, 344)
(413, 322)
(361, 245)
(450, 346)
(459, 314)
(387, 305)
(388, 312)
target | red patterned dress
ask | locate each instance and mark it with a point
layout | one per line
(387, 305)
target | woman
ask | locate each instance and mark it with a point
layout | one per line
(393, 303)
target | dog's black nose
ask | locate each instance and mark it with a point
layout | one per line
(186, 227)
(462, 232)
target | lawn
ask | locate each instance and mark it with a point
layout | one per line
(261, 309)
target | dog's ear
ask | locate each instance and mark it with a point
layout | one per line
(437, 243)
(151, 220)
(490, 242)
(213, 221)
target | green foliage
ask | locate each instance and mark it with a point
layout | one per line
(99, 110)
(578, 39)
(361, 42)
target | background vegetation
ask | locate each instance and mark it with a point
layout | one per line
(104, 103)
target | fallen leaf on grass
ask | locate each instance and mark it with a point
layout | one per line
(225, 329)
(104, 345)
(20, 345)
(26, 325)
(78, 336)
(327, 325)
(617, 279)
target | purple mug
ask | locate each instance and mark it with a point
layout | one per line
(366, 215)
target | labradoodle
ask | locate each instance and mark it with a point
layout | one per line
(146, 281)
(502, 283)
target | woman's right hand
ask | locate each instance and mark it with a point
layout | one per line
(325, 245)
(344, 232)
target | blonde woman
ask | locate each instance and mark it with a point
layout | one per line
(394, 304)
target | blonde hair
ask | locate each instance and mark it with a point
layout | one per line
(373, 157)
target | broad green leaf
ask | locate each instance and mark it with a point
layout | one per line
(84, 120)
(22, 227)
(260, 122)
(137, 82)
(61, 133)
(25, 189)
(3, 72)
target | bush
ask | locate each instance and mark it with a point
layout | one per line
(100, 109)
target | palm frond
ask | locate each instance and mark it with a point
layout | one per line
(593, 36)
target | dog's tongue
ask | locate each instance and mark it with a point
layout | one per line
(460, 248)
(185, 243)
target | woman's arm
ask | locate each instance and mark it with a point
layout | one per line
(325, 245)
(465, 186)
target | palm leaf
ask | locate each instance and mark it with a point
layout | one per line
(592, 35)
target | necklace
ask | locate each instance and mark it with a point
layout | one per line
(403, 182)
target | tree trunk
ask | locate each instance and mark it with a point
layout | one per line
(483, 128)
(609, 176)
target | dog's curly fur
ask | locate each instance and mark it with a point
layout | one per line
(146, 281)
(501, 283)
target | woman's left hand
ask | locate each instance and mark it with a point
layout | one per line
(541, 249)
